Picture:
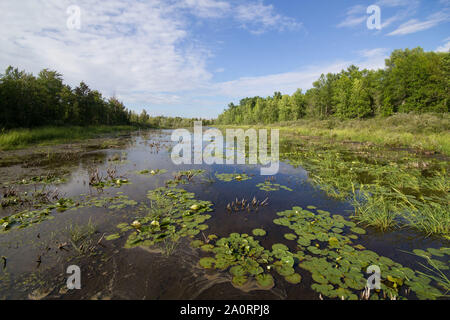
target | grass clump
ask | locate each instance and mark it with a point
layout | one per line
(21, 138)
(423, 132)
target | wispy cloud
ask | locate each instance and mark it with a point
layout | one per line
(357, 15)
(258, 18)
(206, 8)
(415, 25)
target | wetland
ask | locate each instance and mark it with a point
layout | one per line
(141, 227)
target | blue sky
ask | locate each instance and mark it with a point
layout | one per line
(192, 57)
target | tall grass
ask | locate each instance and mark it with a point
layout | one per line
(21, 138)
(424, 131)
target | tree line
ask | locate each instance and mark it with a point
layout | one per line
(412, 81)
(28, 101)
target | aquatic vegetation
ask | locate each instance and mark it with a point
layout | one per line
(228, 177)
(98, 181)
(338, 265)
(243, 256)
(316, 248)
(259, 232)
(435, 268)
(386, 190)
(246, 205)
(26, 218)
(80, 237)
(375, 211)
(269, 186)
(183, 177)
(152, 172)
(35, 199)
(119, 158)
(246, 260)
(29, 217)
(21, 138)
(47, 179)
(174, 213)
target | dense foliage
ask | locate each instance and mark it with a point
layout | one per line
(412, 81)
(28, 101)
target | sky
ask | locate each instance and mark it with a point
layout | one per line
(191, 58)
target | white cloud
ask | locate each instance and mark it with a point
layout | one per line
(141, 51)
(135, 51)
(445, 47)
(206, 8)
(414, 25)
(357, 15)
(257, 18)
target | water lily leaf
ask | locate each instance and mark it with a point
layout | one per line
(207, 262)
(279, 246)
(259, 232)
(207, 247)
(293, 278)
(333, 241)
(290, 236)
(285, 270)
(239, 281)
(358, 230)
(265, 281)
(238, 271)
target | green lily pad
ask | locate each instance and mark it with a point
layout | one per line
(259, 232)
(265, 281)
(207, 262)
(290, 236)
(293, 278)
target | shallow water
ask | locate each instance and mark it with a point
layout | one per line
(114, 272)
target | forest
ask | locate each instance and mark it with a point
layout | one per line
(413, 81)
(27, 101)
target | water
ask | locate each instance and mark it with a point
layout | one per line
(113, 272)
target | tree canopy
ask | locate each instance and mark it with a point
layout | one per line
(29, 101)
(412, 81)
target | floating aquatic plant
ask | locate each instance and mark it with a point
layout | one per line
(152, 172)
(174, 213)
(183, 177)
(228, 177)
(244, 257)
(338, 265)
(270, 187)
(259, 232)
